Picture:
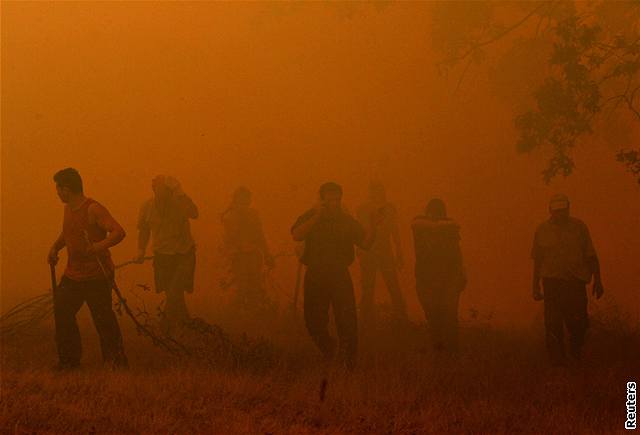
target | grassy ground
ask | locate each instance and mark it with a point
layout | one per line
(500, 383)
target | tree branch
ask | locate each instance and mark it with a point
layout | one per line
(502, 34)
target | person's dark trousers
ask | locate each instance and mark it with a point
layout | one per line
(67, 300)
(369, 267)
(246, 268)
(565, 303)
(439, 300)
(331, 288)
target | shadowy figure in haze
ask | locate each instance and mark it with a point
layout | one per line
(330, 234)
(165, 219)
(84, 278)
(565, 260)
(381, 256)
(245, 245)
(440, 275)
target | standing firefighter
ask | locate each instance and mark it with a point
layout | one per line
(165, 218)
(565, 260)
(330, 234)
(440, 275)
(246, 248)
(381, 256)
(84, 279)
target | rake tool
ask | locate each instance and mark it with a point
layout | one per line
(25, 316)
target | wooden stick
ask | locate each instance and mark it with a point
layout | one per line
(54, 285)
(297, 289)
(126, 263)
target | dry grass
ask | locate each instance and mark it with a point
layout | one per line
(500, 383)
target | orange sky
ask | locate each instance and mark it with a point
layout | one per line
(280, 98)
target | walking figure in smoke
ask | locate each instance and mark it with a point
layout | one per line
(440, 275)
(565, 260)
(330, 234)
(165, 219)
(84, 280)
(245, 246)
(381, 257)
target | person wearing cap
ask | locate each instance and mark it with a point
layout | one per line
(564, 261)
(245, 245)
(329, 234)
(165, 219)
(381, 257)
(440, 274)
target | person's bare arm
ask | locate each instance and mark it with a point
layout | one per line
(598, 288)
(183, 201)
(594, 263)
(55, 248)
(115, 232)
(535, 285)
(187, 206)
(299, 232)
(144, 234)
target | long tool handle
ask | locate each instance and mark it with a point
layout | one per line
(52, 269)
(297, 289)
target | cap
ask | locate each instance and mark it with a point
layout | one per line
(559, 202)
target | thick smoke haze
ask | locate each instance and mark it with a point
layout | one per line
(281, 98)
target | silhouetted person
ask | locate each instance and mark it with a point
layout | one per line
(565, 260)
(246, 248)
(440, 275)
(381, 257)
(84, 280)
(165, 218)
(330, 234)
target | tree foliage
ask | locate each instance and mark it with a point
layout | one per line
(592, 67)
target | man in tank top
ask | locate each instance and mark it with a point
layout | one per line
(88, 276)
